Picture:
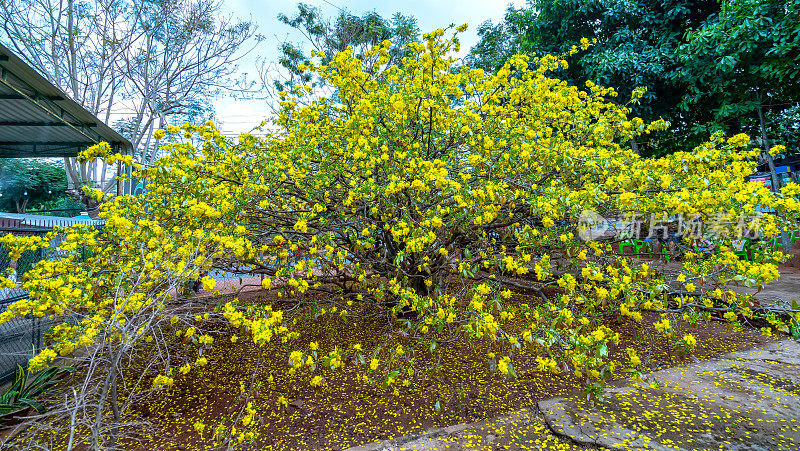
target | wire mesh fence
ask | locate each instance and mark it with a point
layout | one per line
(21, 338)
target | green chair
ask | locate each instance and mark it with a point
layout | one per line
(777, 242)
(668, 254)
(639, 245)
(665, 253)
(703, 249)
(741, 248)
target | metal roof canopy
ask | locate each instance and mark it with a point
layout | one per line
(38, 120)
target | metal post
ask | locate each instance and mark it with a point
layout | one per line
(38, 332)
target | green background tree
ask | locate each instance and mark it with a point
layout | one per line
(743, 64)
(331, 36)
(28, 184)
(707, 65)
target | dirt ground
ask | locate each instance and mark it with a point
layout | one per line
(347, 412)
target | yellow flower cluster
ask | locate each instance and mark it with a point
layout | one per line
(161, 381)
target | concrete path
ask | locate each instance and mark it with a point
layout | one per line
(779, 293)
(743, 401)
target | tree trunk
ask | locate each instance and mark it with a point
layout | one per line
(419, 286)
(787, 242)
(23, 206)
(91, 204)
(635, 146)
(73, 54)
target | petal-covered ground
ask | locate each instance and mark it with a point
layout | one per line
(346, 412)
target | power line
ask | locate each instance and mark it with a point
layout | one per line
(340, 9)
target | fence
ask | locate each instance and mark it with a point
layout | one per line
(21, 338)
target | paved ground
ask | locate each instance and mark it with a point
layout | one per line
(779, 293)
(227, 284)
(743, 401)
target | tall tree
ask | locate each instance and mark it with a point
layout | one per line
(30, 184)
(634, 46)
(154, 61)
(743, 65)
(330, 36)
(785, 128)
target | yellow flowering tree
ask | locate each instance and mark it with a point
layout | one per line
(422, 192)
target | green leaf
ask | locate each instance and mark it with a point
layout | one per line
(31, 403)
(9, 396)
(7, 410)
(511, 370)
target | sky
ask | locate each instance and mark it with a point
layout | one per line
(237, 115)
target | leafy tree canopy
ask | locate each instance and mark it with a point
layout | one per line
(746, 59)
(330, 37)
(28, 184)
(707, 65)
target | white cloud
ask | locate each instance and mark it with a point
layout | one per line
(236, 116)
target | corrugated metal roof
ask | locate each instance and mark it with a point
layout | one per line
(37, 119)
